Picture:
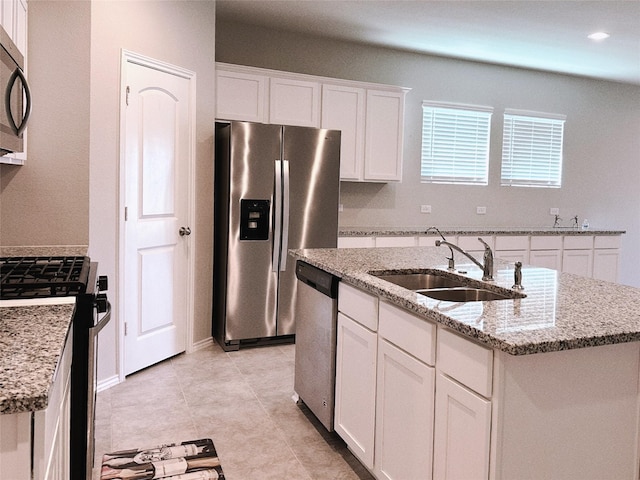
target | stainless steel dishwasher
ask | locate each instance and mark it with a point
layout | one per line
(316, 313)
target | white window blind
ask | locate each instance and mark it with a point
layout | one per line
(455, 143)
(532, 149)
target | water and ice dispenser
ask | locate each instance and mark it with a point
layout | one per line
(254, 219)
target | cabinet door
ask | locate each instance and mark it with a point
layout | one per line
(355, 388)
(15, 446)
(20, 25)
(546, 259)
(343, 109)
(383, 138)
(294, 102)
(513, 255)
(462, 432)
(605, 264)
(240, 96)
(578, 262)
(404, 415)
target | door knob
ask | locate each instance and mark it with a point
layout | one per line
(184, 231)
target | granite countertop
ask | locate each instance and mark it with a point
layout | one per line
(32, 340)
(561, 311)
(409, 231)
(31, 343)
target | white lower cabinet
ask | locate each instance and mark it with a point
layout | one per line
(546, 259)
(354, 419)
(35, 445)
(404, 415)
(606, 258)
(462, 432)
(512, 248)
(578, 262)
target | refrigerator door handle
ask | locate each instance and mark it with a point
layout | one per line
(285, 215)
(277, 212)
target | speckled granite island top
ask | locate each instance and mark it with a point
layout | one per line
(561, 311)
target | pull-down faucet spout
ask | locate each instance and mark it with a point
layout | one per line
(452, 265)
(487, 268)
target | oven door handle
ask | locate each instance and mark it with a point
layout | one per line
(103, 321)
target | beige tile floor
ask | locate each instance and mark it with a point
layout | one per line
(241, 400)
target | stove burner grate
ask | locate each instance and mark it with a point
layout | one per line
(36, 277)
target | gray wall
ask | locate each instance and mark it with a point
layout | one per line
(601, 170)
(46, 201)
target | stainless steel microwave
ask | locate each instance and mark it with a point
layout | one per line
(16, 105)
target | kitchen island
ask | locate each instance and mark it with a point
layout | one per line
(544, 386)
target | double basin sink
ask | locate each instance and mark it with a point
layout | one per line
(445, 287)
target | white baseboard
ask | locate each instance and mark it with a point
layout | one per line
(106, 383)
(200, 345)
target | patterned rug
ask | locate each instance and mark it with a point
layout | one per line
(191, 460)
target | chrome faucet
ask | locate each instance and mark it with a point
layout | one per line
(452, 265)
(487, 268)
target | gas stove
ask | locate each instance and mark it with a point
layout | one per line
(43, 277)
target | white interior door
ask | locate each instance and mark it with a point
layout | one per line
(157, 160)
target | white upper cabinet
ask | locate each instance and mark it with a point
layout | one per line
(343, 109)
(371, 122)
(370, 116)
(240, 96)
(13, 18)
(383, 139)
(294, 102)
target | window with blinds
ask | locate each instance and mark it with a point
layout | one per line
(532, 149)
(455, 143)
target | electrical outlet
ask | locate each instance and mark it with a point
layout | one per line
(481, 210)
(425, 208)
(340, 207)
(554, 211)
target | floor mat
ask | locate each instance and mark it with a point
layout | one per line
(191, 460)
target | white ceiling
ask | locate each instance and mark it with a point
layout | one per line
(547, 35)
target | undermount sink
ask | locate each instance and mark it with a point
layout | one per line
(465, 294)
(419, 281)
(440, 285)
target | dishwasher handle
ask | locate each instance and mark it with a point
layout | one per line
(318, 279)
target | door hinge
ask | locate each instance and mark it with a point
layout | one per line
(126, 99)
(126, 214)
(125, 329)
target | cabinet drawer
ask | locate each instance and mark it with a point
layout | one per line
(607, 241)
(578, 242)
(467, 362)
(395, 241)
(412, 334)
(546, 242)
(520, 242)
(359, 305)
(356, 242)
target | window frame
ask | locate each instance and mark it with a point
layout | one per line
(533, 148)
(473, 165)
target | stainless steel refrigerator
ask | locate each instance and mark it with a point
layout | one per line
(276, 188)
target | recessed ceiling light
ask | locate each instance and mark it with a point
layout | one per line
(598, 36)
